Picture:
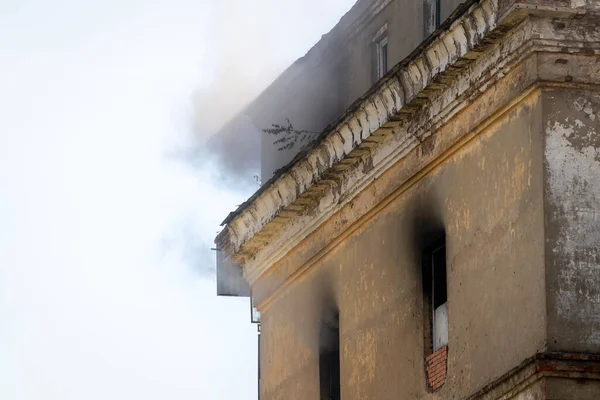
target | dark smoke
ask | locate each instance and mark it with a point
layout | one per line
(232, 154)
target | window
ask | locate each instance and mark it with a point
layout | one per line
(432, 15)
(438, 13)
(329, 359)
(382, 57)
(435, 313)
(258, 369)
(439, 297)
(379, 54)
(435, 296)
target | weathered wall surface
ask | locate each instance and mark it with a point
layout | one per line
(486, 199)
(536, 391)
(448, 6)
(570, 389)
(572, 201)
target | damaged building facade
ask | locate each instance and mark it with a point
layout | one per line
(439, 237)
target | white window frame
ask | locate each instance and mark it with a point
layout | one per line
(382, 56)
(381, 53)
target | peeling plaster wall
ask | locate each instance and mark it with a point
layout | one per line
(537, 391)
(486, 197)
(572, 201)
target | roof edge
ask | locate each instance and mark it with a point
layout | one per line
(347, 114)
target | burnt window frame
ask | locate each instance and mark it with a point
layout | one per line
(429, 289)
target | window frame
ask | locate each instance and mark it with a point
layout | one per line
(435, 351)
(380, 54)
(439, 277)
(428, 277)
(432, 11)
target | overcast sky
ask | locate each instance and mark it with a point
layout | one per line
(106, 275)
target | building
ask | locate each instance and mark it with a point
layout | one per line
(439, 237)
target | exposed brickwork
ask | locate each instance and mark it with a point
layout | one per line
(436, 365)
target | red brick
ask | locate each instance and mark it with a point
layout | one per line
(436, 368)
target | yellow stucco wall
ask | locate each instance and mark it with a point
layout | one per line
(486, 195)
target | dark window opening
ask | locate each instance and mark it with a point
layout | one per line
(432, 15)
(435, 297)
(329, 360)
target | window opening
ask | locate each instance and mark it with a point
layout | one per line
(435, 314)
(439, 297)
(329, 360)
(432, 15)
(382, 57)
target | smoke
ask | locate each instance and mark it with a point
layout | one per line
(219, 147)
(243, 63)
(185, 243)
(251, 44)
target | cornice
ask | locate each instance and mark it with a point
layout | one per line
(394, 117)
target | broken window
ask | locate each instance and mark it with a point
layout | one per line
(435, 297)
(329, 359)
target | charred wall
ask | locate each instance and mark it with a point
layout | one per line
(486, 198)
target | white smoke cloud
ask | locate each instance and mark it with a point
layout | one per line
(253, 43)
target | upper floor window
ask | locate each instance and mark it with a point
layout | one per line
(382, 57)
(432, 15)
(380, 54)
